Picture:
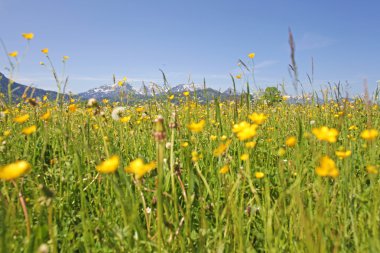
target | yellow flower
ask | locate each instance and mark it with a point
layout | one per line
(247, 133)
(65, 58)
(109, 166)
(13, 54)
(195, 156)
(28, 36)
(125, 119)
(244, 157)
(291, 141)
(184, 144)
(105, 101)
(223, 138)
(186, 93)
(7, 133)
(259, 175)
(369, 134)
(45, 50)
(29, 130)
(281, 152)
(21, 119)
(44, 98)
(196, 127)
(213, 137)
(326, 134)
(224, 169)
(140, 109)
(72, 107)
(327, 168)
(251, 55)
(171, 97)
(372, 169)
(250, 144)
(258, 118)
(238, 76)
(14, 170)
(239, 127)
(221, 149)
(353, 127)
(343, 154)
(138, 168)
(46, 115)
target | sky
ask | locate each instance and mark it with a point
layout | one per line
(193, 40)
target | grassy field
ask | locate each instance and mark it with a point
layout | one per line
(184, 176)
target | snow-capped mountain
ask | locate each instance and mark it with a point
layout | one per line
(186, 87)
(107, 91)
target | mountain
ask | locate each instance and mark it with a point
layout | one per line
(18, 90)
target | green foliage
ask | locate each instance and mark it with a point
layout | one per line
(272, 95)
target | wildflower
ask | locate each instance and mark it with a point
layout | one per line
(195, 156)
(369, 134)
(291, 141)
(45, 50)
(171, 97)
(285, 97)
(21, 119)
(72, 107)
(186, 93)
(238, 76)
(29, 130)
(7, 133)
(92, 102)
(46, 115)
(244, 157)
(353, 127)
(117, 112)
(258, 118)
(259, 175)
(247, 133)
(326, 134)
(13, 54)
(343, 154)
(372, 169)
(184, 144)
(327, 168)
(213, 137)
(105, 101)
(14, 170)
(125, 119)
(28, 36)
(224, 169)
(140, 109)
(251, 55)
(138, 168)
(44, 98)
(221, 149)
(65, 58)
(281, 152)
(223, 138)
(109, 166)
(250, 144)
(196, 127)
(239, 127)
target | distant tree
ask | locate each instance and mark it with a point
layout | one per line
(272, 95)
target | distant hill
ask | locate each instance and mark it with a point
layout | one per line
(19, 89)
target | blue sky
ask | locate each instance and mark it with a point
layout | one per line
(194, 40)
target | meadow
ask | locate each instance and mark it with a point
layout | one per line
(178, 175)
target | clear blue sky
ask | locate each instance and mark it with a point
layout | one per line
(197, 38)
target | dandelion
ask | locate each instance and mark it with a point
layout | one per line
(251, 55)
(109, 166)
(259, 175)
(13, 54)
(45, 50)
(244, 157)
(352, 128)
(343, 154)
(258, 118)
(213, 137)
(327, 168)
(247, 132)
(224, 169)
(7, 133)
(326, 134)
(46, 115)
(72, 107)
(195, 156)
(221, 149)
(65, 58)
(186, 93)
(250, 144)
(125, 119)
(21, 119)
(138, 168)
(238, 76)
(140, 109)
(92, 102)
(28, 36)
(29, 130)
(197, 127)
(184, 144)
(14, 170)
(117, 112)
(372, 169)
(369, 134)
(171, 97)
(291, 141)
(281, 152)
